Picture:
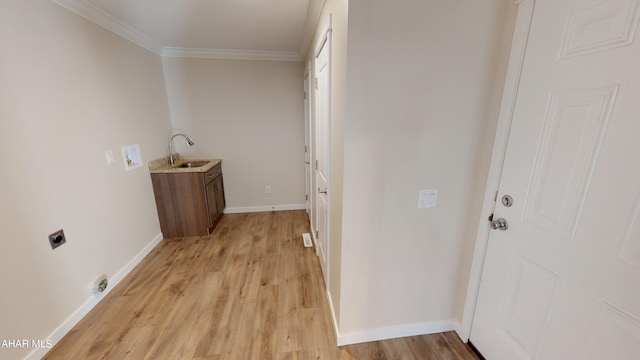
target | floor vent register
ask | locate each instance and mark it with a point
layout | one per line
(306, 237)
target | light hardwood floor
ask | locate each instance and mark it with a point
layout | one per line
(249, 291)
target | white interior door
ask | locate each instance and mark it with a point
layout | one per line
(563, 281)
(323, 149)
(307, 143)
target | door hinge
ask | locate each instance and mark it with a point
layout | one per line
(316, 164)
(305, 95)
(306, 149)
(306, 197)
(317, 234)
(316, 83)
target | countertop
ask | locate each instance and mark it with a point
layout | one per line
(163, 165)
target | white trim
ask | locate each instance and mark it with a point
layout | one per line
(333, 317)
(107, 21)
(512, 81)
(311, 95)
(231, 54)
(460, 332)
(252, 209)
(393, 332)
(93, 300)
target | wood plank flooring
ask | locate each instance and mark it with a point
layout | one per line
(250, 290)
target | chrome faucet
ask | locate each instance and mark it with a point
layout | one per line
(189, 141)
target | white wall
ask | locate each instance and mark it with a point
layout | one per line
(414, 110)
(250, 114)
(69, 90)
(420, 79)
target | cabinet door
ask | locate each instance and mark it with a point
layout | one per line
(219, 186)
(181, 204)
(212, 204)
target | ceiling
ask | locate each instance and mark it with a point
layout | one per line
(253, 29)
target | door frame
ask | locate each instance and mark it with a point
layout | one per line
(524, 17)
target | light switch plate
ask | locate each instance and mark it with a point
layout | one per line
(427, 198)
(109, 155)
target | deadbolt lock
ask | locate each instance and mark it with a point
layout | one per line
(507, 201)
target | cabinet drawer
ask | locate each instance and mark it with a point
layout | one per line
(210, 175)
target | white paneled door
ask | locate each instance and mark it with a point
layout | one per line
(307, 143)
(323, 148)
(563, 280)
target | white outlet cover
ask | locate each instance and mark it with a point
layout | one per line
(427, 198)
(109, 155)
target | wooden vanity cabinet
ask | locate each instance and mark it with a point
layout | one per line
(189, 203)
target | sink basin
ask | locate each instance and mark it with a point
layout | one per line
(193, 164)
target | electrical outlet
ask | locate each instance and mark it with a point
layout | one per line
(267, 189)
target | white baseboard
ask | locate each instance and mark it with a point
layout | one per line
(93, 300)
(251, 209)
(459, 329)
(395, 332)
(333, 316)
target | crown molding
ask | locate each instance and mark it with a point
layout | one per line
(94, 14)
(231, 54)
(107, 21)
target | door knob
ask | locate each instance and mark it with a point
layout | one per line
(499, 224)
